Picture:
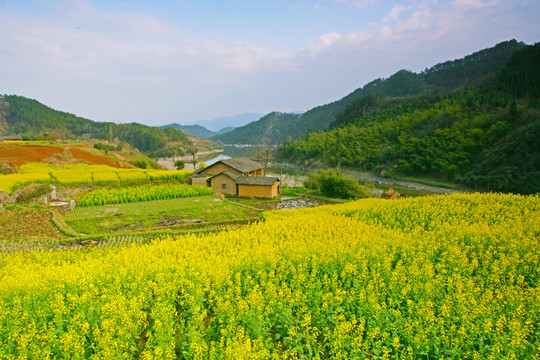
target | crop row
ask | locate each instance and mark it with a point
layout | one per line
(426, 278)
(79, 174)
(134, 194)
(137, 208)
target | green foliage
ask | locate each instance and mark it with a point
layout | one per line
(145, 163)
(105, 147)
(272, 127)
(193, 130)
(175, 135)
(143, 193)
(335, 184)
(31, 120)
(39, 190)
(483, 136)
(171, 151)
(472, 68)
(294, 190)
(179, 164)
(450, 75)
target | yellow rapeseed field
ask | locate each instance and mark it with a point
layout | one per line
(82, 174)
(442, 277)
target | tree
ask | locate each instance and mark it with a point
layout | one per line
(179, 164)
(265, 151)
(193, 151)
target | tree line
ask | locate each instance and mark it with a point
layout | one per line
(35, 121)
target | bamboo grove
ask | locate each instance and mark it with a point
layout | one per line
(442, 277)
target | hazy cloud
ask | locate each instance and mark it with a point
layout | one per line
(358, 4)
(139, 67)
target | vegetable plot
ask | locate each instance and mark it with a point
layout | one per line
(143, 193)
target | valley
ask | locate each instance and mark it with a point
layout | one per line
(399, 222)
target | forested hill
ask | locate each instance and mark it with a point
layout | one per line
(197, 130)
(193, 130)
(270, 129)
(33, 120)
(446, 76)
(483, 136)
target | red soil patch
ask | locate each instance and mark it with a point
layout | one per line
(93, 159)
(17, 155)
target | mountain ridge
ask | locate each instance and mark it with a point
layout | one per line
(403, 83)
(484, 135)
(217, 124)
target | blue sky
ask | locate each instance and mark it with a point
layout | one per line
(158, 62)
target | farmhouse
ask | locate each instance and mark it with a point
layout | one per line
(11, 137)
(238, 176)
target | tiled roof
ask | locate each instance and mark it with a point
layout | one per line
(240, 164)
(228, 173)
(256, 180)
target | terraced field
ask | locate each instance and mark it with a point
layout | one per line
(156, 214)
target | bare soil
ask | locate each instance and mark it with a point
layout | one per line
(28, 223)
(13, 155)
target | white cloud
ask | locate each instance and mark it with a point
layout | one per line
(428, 26)
(394, 13)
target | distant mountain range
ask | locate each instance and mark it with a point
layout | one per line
(196, 130)
(218, 124)
(208, 128)
(446, 76)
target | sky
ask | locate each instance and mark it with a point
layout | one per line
(180, 61)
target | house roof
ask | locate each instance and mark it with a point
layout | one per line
(227, 173)
(256, 180)
(240, 164)
(11, 137)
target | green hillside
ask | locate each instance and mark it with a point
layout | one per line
(192, 130)
(33, 120)
(271, 128)
(484, 136)
(446, 76)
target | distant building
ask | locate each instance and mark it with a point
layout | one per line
(11, 137)
(238, 176)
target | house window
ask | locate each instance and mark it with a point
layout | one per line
(223, 186)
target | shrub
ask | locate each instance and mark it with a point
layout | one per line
(179, 164)
(335, 184)
(104, 147)
(33, 192)
(145, 163)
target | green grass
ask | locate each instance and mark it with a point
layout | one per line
(144, 215)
